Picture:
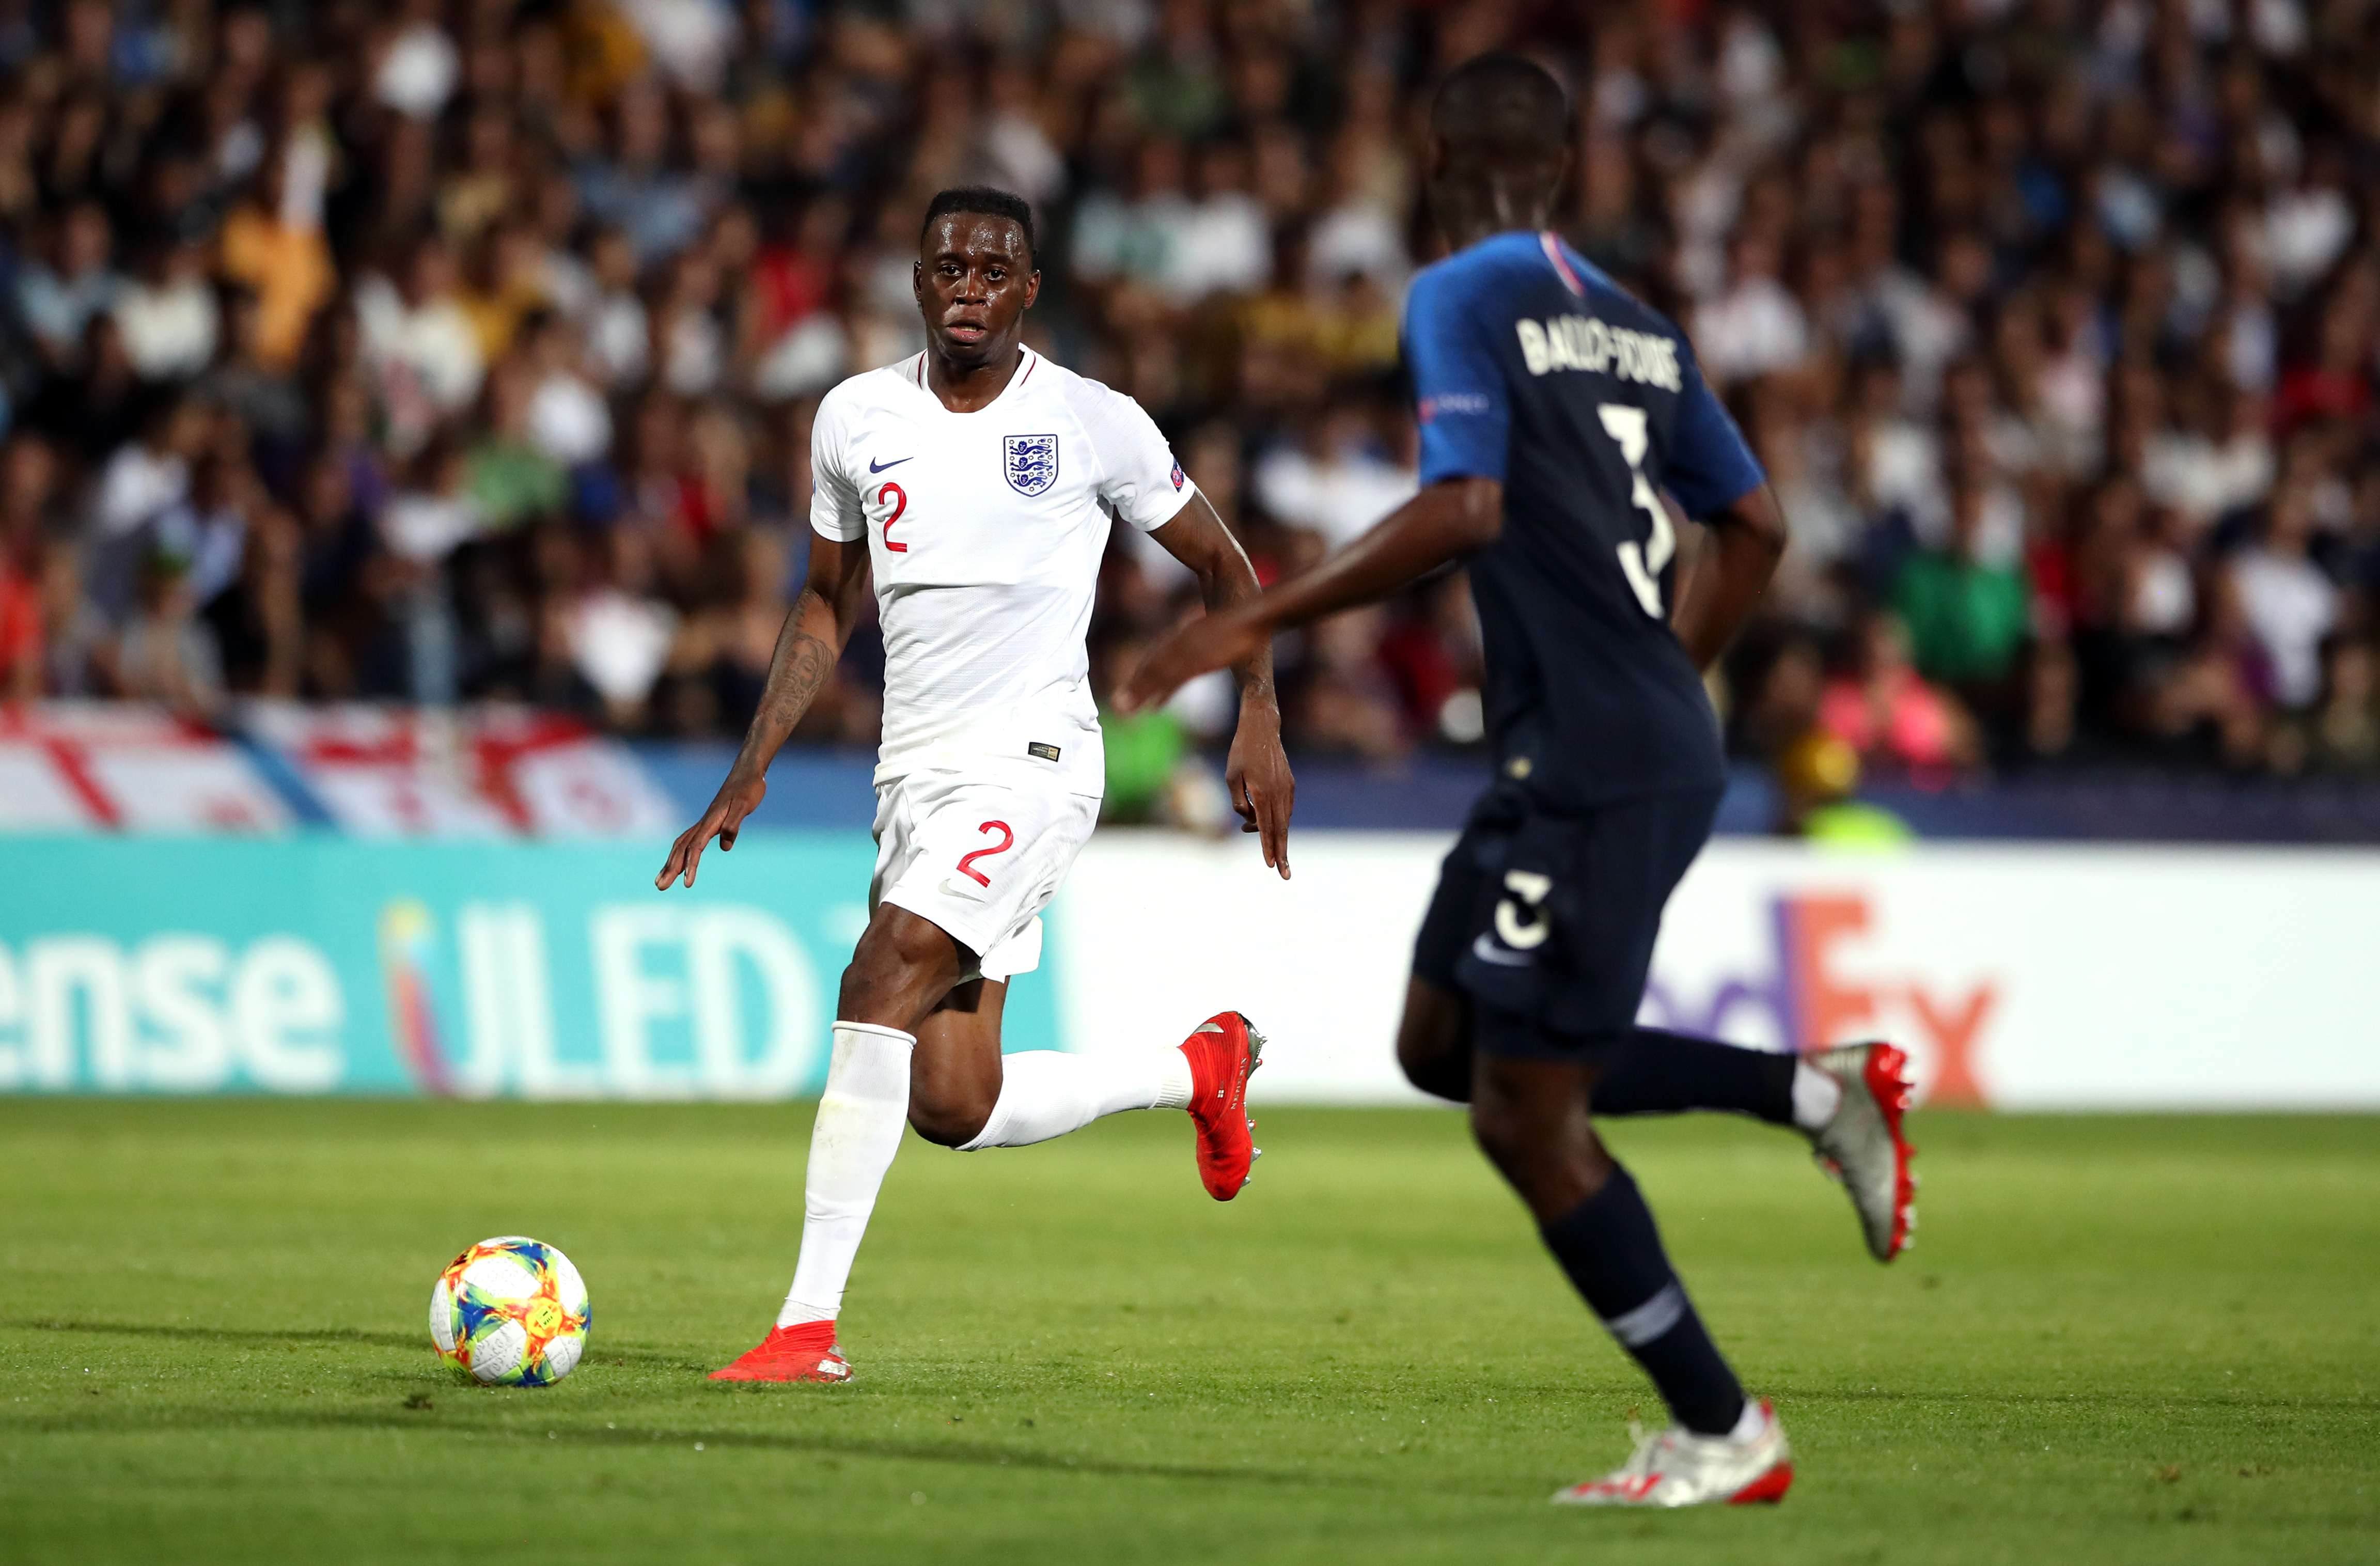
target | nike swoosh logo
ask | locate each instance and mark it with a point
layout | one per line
(1486, 951)
(953, 886)
(876, 467)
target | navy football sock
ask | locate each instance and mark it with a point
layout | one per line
(1667, 1073)
(1613, 1254)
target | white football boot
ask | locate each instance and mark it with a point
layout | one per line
(1862, 1145)
(1676, 1467)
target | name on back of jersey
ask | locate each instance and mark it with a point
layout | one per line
(1582, 342)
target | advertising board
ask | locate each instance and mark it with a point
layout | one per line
(320, 964)
(2017, 976)
(2029, 977)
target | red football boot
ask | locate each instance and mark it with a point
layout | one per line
(804, 1352)
(1223, 1050)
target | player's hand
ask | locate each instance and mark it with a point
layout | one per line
(1262, 789)
(1209, 642)
(737, 798)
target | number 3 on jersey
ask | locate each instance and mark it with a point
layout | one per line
(1641, 564)
(899, 499)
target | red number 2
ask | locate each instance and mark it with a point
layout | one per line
(967, 861)
(900, 505)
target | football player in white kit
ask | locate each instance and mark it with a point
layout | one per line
(974, 484)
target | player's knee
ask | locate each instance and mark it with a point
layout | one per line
(1433, 1042)
(1436, 1069)
(882, 984)
(1436, 1062)
(1504, 1133)
(949, 1122)
(1552, 1161)
(867, 995)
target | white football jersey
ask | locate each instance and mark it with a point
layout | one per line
(986, 530)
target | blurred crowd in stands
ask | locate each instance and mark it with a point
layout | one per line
(437, 351)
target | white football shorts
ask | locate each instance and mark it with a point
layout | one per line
(979, 856)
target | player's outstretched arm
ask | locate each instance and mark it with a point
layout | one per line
(813, 637)
(1747, 538)
(1258, 774)
(1445, 522)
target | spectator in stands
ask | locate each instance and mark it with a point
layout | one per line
(507, 476)
(1887, 712)
(1141, 236)
(165, 654)
(1754, 327)
(1337, 481)
(619, 338)
(1967, 617)
(2287, 601)
(143, 482)
(59, 295)
(167, 314)
(259, 623)
(418, 344)
(273, 244)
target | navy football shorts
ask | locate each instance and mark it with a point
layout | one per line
(1547, 921)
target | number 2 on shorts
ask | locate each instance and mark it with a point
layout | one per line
(967, 861)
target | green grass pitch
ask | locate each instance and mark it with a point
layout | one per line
(2119, 1340)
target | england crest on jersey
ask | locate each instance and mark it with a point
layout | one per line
(1031, 463)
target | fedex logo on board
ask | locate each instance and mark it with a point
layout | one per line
(1818, 992)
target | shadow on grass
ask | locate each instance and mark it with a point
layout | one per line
(972, 1454)
(212, 1334)
(607, 1354)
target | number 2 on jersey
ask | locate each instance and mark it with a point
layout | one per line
(900, 498)
(1641, 564)
(967, 861)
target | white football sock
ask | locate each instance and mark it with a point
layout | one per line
(1816, 1096)
(860, 1118)
(1046, 1093)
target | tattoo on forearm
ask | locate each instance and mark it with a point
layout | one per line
(808, 666)
(801, 668)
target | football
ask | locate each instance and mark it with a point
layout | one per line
(512, 1312)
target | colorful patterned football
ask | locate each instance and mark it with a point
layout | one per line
(511, 1311)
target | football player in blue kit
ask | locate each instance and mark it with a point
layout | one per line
(1556, 411)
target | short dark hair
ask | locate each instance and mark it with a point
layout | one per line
(985, 202)
(1501, 106)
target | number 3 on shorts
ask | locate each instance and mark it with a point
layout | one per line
(967, 861)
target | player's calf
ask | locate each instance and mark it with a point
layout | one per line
(1530, 1118)
(955, 1076)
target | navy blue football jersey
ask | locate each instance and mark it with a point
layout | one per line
(1532, 368)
